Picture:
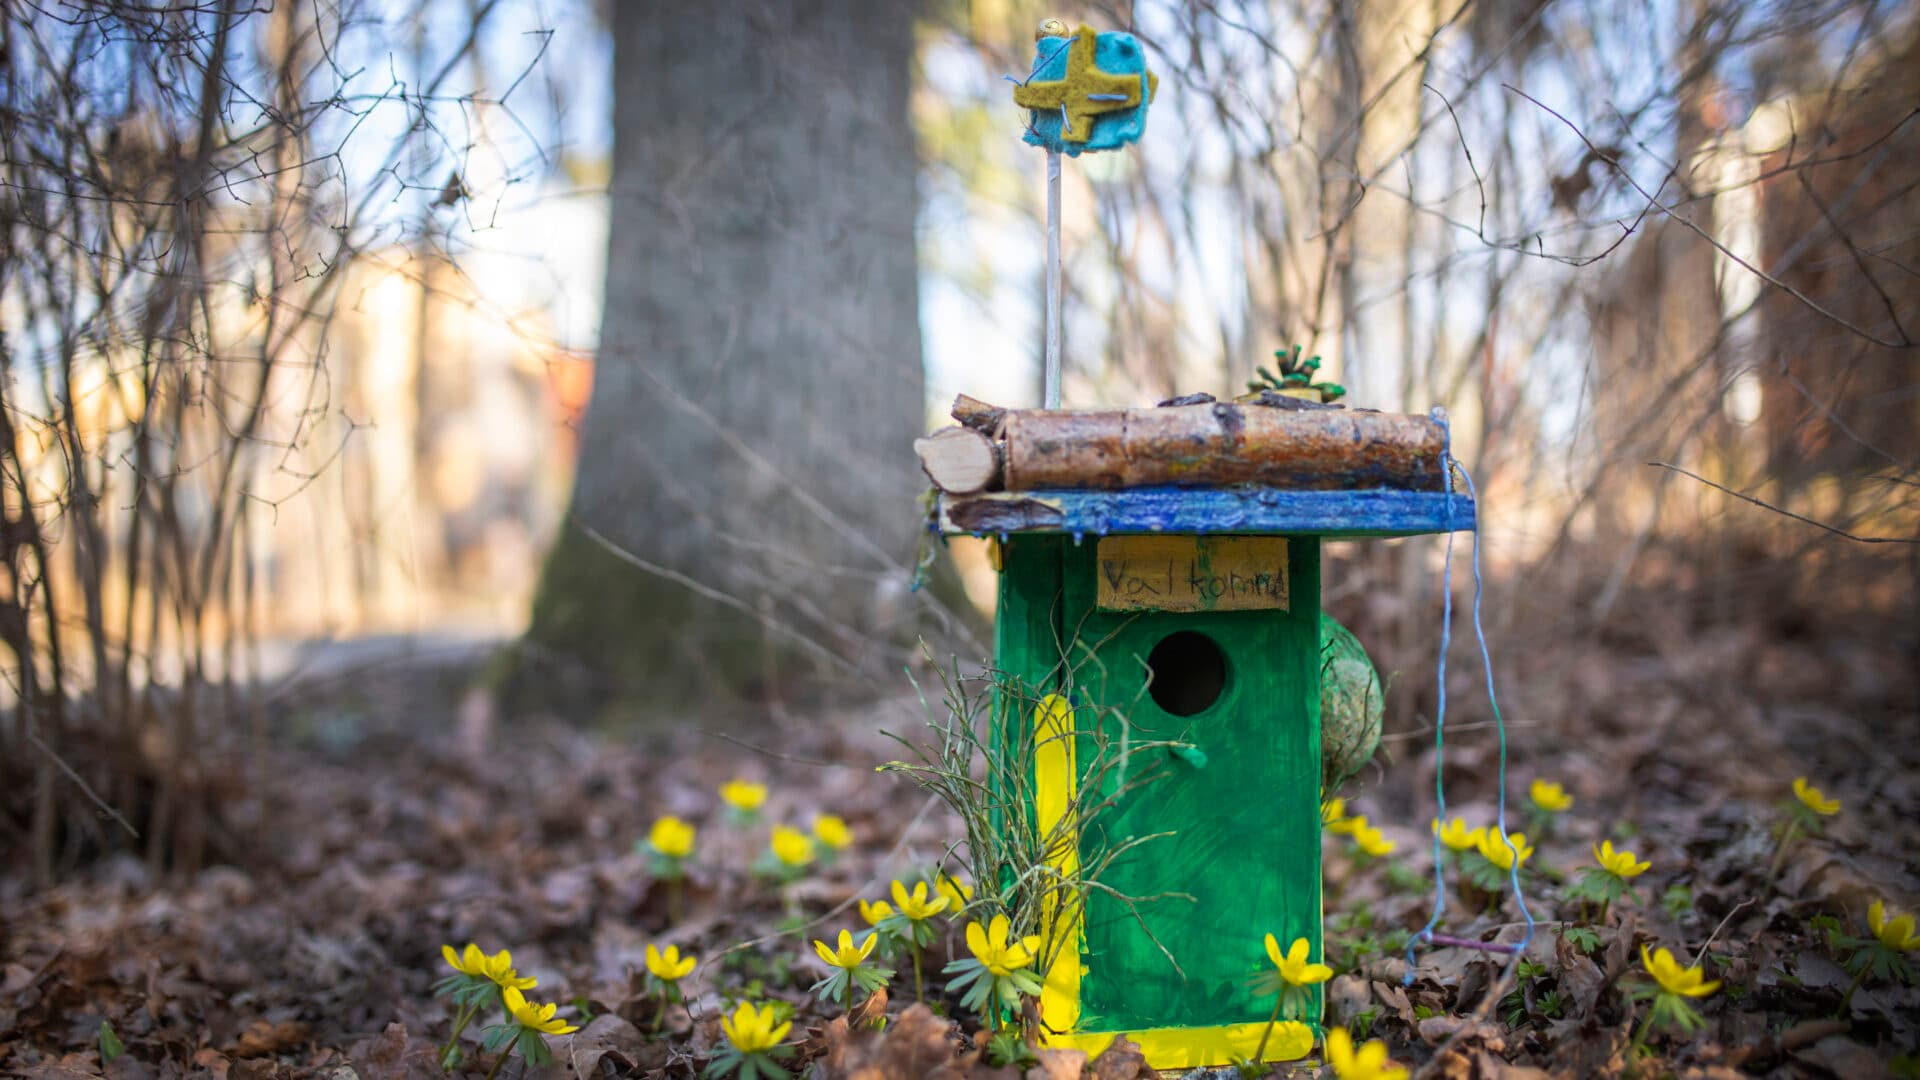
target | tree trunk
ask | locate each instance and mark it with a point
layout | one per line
(758, 386)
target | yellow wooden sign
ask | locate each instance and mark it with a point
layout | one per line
(1192, 573)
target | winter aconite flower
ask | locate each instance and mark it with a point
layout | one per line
(846, 955)
(1620, 864)
(753, 1037)
(669, 966)
(1503, 852)
(1293, 978)
(997, 973)
(1813, 799)
(833, 832)
(791, 846)
(1550, 796)
(1674, 979)
(536, 1017)
(849, 961)
(671, 838)
(1895, 933)
(1671, 993)
(1333, 816)
(915, 905)
(744, 795)
(1368, 1062)
(910, 924)
(525, 1029)
(1370, 840)
(664, 972)
(1293, 965)
(1457, 836)
(497, 969)
(957, 892)
(875, 912)
(752, 1031)
(479, 981)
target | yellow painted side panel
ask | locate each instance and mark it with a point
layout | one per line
(1189, 1048)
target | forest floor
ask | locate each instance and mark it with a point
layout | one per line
(376, 834)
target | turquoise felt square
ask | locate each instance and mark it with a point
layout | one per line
(1115, 53)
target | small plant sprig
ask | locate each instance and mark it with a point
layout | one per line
(752, 1049)
(1809, 805)
(1291, 982)
(1882, 956)
(997, 974)
(744, 798)
(911, 924)
(1672, 989)
(1368, 1062)
(478, 981)
(848, 961)
(1295, 374)
(525, 1029)
(1609, 881)
(664, 972)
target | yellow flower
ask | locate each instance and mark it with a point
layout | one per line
(1368, 1063)
(1368, 839)
(1293, 966)
(538, 1017)
(1895, 933)
(847, 955)
(956, 891)
(915, 905)
(991, 947)
(1499, 854)
(1333, 816)
(498, 967)
(752, 1031)
(1674, 979)
(1813, 799)
(743, 795)
(1620, 864)
(1457, 836)
(876, 912)
(1548, 795)
(791, 846)
(672, 837)
(669, 966)
(833, 832)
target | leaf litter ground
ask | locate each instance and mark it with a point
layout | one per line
(356, 851)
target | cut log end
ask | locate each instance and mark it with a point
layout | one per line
(959, 460)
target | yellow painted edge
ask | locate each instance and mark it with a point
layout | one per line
(1053, 786)
(1189, 1048)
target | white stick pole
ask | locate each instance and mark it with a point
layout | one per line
(1052, 383)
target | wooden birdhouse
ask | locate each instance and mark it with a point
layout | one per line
(1159, 586)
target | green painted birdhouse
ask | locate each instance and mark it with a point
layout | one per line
(1159, 662)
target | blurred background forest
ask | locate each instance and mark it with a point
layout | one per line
(576, 350)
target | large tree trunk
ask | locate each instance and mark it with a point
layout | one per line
(759, 385)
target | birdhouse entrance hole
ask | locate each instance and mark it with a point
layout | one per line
(1189, 672)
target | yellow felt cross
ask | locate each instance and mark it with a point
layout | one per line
(1082, 89)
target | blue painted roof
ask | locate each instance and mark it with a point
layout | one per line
(1241, 510)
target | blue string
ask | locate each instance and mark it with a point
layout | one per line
(1440, 716)
(1500, 725)
(1440, 720)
